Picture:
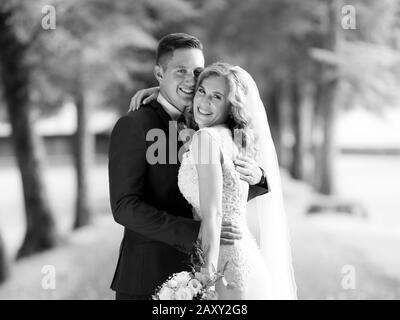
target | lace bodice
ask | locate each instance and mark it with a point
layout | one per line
(234, 194)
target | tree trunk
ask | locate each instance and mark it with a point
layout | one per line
(302, 122)
(285, 120)
(326, 104)
(277, 110)
(317, 135)
(84, 149)
(4, 268)
(326, 184)
(274, 117)
(40, 233)
(297, 164)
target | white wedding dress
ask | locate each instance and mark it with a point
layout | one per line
(247, 275)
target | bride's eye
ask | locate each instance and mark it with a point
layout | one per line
(201, 90)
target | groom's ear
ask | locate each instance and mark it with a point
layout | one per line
(158, 73)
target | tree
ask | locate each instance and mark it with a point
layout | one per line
(83, 153)
(274, 112)
(96, 31)
(354, 72)
(110, 46)
(326, 104)
(4, 268)
(297, 163)
(15, 75)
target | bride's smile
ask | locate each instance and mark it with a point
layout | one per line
(203, 112)
(210, 102)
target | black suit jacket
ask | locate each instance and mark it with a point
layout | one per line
(145, 198)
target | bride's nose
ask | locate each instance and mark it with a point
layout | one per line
(205, 101)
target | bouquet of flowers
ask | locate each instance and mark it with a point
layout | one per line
(197, 284)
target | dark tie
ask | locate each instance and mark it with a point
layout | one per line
(181, 122)
(181, 118)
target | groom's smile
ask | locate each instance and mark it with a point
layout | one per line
(187, 91)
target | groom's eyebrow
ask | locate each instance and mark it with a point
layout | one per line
(196, 71)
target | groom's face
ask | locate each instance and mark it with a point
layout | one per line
(177, 76)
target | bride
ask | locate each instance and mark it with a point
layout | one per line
(226, 106)
(232, 120)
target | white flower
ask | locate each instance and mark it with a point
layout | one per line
(182, 278)
(183, 294)
(211, 295)
(172, 283)
(166, 293)
(195, 286)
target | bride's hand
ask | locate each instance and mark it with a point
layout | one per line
(143, 96)
(229, 233)
(249, 170)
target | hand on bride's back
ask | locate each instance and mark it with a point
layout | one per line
(143, 96)
(248, 169)
(229, 233)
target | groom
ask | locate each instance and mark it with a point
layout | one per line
(159, 230)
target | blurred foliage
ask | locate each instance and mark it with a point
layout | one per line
(272, 39)
(111, 44)
(275, 39)
(108, 49)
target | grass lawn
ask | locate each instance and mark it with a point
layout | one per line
(326, 248)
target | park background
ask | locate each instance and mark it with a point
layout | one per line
(328, 73)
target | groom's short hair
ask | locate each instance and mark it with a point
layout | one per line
(169, 43)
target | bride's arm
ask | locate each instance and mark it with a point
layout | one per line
(208, 164)
(142, 97)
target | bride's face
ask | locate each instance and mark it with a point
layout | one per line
(210, 103)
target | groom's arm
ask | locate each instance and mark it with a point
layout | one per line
(127, 168)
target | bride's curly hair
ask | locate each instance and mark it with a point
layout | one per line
(239, 121)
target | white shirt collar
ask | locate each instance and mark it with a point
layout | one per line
(173, 112)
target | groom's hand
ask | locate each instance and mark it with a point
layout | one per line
(229, 233)
(249, 170)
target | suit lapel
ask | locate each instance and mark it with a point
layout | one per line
(164, 116)
(173, 143)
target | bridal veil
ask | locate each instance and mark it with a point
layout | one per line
(267, 212)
